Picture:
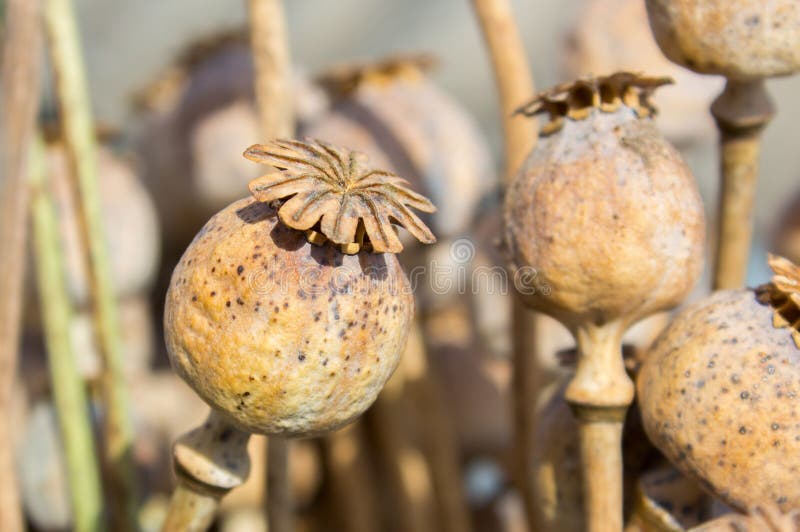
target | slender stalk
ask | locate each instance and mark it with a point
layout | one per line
(512, 75)
(19, 85)
(273, 89)
(68, 388)
(515, 84)
(599, 394)
(438, 435)
(279, 495)
(209, 461)
(269, 42)
(352, 484)
(79, 138)
(410, 483)
(741, 112)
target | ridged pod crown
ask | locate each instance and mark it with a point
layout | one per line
(334, 195)
(343, 80)
(576, 99)
(783, 294)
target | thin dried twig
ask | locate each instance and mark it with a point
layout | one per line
(20, 99)
(79, 138)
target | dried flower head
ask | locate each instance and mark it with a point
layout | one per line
(355, 206)
(783, 294)
(342, 80)
(576, 99)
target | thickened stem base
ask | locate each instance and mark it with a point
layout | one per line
(741, 112)
(600, 394)
(209, 461)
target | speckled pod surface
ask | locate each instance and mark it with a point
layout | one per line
(718, 395)
(742, 40)
(282, 336)
(608, 216)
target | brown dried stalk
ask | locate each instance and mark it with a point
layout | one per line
(20, 99)
(514, 80)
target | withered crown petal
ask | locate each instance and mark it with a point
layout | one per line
(783, 294)
(333, 194)
(576, 99)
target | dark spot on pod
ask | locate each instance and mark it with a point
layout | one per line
(213, 293)
(286, 305)
(246, 394)
(239, 301)
(240, 269)
(194, 298)
(301, 357)
(775, 426)
(742, 430)
(744, 395)
(213, 269)
(228, 303)
(325, 362)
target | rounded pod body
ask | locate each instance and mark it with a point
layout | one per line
(283, 336)
(289, 312)
(391, 111)
(742, 40)
(604, 216)
(718, 395)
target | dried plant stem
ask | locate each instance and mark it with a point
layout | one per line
(269, 42)
(209, 462)
(515, 84)
(409, 475)
(79, 139)
(513, 76)
(438, 435)
(279, 495)
(19, 85)
(741, 112)
(68, 387)
(352, 484)
(599, 394)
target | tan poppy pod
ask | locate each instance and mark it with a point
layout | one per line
(718, 391)
(614, 35)
(787, 235)
(393, 112)
(766, 517)
(742, 40)
(604, 225)
(287, 336)
(289, 311)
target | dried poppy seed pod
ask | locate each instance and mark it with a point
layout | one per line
(288, 312)
(766, 517)
(718, 392)
(607, 216)
(745, 41)
(391, 110)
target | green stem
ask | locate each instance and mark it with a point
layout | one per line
(66, 382)
(78, 133)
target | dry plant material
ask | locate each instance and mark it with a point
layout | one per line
(20, 100)
(747, 42)
(391, 110)
(614, 35)
(766, 518)
(280, 331)
(604, 226)
(718, 391)
(353, 203)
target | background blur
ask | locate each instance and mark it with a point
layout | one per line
(129, 42)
